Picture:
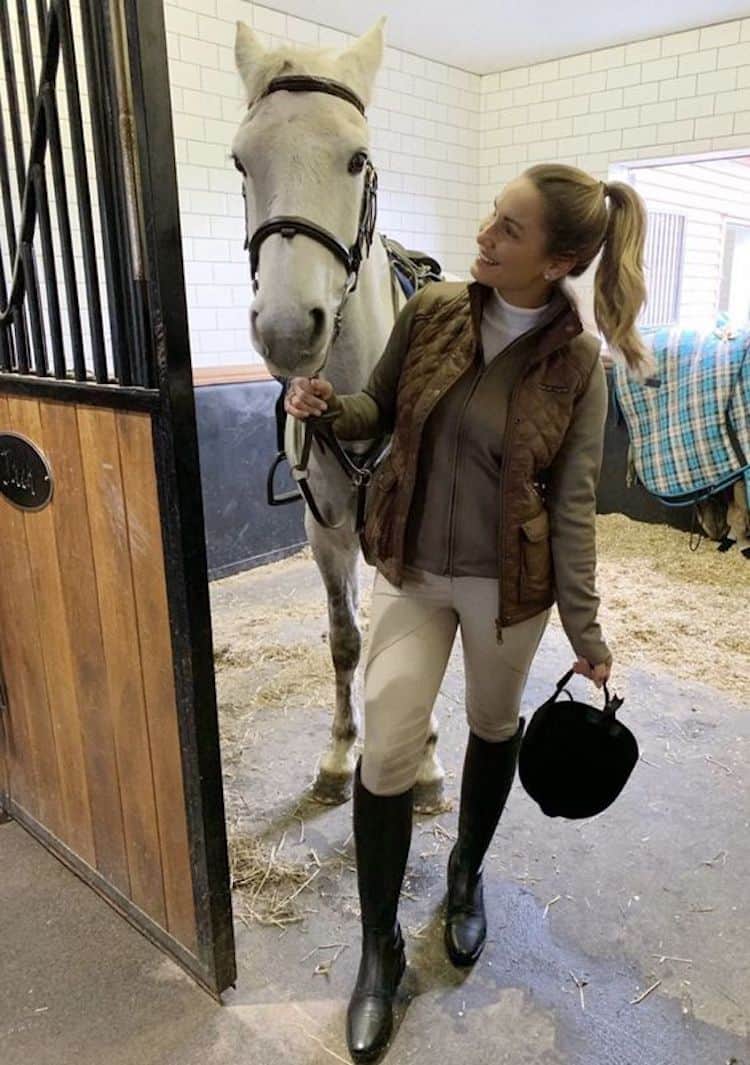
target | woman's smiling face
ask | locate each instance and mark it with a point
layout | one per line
(512, 243)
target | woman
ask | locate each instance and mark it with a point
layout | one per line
(481, 516)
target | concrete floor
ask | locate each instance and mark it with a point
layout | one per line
(662, 875)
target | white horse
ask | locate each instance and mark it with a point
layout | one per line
(303, 150)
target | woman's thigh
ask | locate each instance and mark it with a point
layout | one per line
(412, 629)
(496, 673)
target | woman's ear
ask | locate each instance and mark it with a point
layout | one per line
(559, 267)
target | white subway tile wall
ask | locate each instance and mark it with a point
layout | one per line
(444, 140)
(682, 94)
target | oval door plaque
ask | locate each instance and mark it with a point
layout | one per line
(25, 476)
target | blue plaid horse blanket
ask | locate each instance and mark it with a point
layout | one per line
(689, 424)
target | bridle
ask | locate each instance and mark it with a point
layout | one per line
(289, 226)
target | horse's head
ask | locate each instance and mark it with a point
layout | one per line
(303, 155)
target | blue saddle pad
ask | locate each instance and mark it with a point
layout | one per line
(689, 425)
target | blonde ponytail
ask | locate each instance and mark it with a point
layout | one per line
(619, 284)
(579, 224)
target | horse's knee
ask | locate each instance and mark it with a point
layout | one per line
(344, 731)
(345, 651)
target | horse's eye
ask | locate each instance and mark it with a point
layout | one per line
(238, 165)
(357, 162)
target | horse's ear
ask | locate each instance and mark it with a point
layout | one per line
(249, 57)
(360, 63)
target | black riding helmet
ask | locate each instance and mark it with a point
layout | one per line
(574, 759)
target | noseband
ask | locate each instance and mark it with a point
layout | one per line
(289, 226)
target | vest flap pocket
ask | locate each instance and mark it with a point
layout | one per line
(537, 528)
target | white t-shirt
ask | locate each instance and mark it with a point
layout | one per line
(502, 323)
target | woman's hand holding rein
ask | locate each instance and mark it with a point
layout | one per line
(306, 396)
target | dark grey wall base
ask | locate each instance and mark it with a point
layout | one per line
(237, 436)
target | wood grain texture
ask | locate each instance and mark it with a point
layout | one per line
(92, 744)
(35, 750)
(89, 667)
(229, 375)
(45, 567)
(149, 582)
(19, 772)
(107, 512)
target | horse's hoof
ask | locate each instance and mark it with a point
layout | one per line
(429, 796)
(332, 789)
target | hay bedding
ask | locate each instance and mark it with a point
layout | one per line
(663, 606)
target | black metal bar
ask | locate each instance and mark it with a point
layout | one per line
(80, 392)
(6, 351)
(35, 312)
(22, 341)
(26, 58)
(105, 130)
(14, 112)
(10, 219)
(176, 449)
(84, 196)
(140, 321)
(64, 229)
(142, 355)
(41, 19)
(50, 270)
(16, 313)
(30, 284)
(6, 346)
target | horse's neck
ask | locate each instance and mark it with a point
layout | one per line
(368, 320)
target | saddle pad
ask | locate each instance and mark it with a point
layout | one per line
(689, 426)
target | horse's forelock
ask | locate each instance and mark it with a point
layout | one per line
(320, 62)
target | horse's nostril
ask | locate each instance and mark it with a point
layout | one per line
(318, 316)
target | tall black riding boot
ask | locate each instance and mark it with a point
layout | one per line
(382, 834)
(487, 777)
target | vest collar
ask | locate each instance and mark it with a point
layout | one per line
(558, 326)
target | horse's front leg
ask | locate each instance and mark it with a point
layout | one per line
(336, 552)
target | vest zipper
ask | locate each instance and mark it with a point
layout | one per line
(434, 403)
(480, 375)
(452, 509)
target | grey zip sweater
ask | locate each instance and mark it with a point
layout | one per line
(455, 512)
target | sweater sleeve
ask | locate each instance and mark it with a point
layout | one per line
(573, 479)
(372, 412)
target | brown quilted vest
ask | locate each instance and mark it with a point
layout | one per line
(442, 347)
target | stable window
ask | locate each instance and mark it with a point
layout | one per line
(663, 261)
(734, 293)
